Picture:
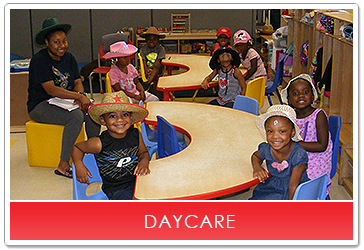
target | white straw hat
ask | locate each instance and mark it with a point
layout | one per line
(306, 77)
(117, 101)
(278, 110)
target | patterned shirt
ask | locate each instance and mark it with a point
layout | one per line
(118, 159)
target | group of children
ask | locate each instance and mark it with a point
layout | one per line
(225, 63)
(298, 145)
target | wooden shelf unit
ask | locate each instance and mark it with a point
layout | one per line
(179, 37)
(341, 96)
(341, 93)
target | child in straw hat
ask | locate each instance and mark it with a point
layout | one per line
(124, 76)
(286, 160)
(300, 94)
(119, 151)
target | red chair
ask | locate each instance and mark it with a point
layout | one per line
(107, 40)
(99, 70)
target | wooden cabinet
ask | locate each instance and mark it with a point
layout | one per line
(340, 101)
(341, 94)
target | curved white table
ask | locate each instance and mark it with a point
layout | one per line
(197, 69)
(215, 163)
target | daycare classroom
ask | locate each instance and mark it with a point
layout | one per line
(221, 72)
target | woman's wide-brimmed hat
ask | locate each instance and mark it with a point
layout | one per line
(214, 59)
(117, 101)
(49, 25)
(306, 77)
(152, 31)
(278, 110)
(120, 49)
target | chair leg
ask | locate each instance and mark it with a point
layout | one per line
(90, 81)
(269, 100)
(194, 95)
(100, 80)
(279, 96)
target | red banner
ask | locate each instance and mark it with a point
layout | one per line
(181, 221)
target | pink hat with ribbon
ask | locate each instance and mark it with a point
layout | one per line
(241, 36)
(120, 49)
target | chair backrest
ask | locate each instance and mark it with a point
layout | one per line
(142, 70)
(256, 90)
(334, 128)
(278, 78)
(149, 138)
(79, 189)
(167, 138)
(312, 190)
(108, 87)
(246, 104)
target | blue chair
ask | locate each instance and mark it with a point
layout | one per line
(150, 138)
(334, 128)
(312, 190)
(278, 79)
(167, 139)
(79, 189)
(246, 104)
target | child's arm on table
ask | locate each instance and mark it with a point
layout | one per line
(206, 82)
(241, 80)
(92, 146)
(154, 70)
(295, 179)
(140, 88)
(258, 170)
(143, 155)
(253, 68)
(116, 88)
(322, 132)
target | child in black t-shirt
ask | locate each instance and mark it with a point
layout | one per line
(119, 151)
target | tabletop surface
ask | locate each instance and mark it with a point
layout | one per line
(198, 68)
(217, 158)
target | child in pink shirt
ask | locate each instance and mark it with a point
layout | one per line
(250, 58)
(124, 76)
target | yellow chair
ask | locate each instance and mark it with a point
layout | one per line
(44, 142)
(108, 88)
(256, 90)
(142, 70)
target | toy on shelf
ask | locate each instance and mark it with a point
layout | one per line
(180, 23)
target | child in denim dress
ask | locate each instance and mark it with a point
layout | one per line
(286, 160)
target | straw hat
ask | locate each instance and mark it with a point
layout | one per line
(214, 59)
(152, 31)
(306, 77)
(49, 25)
(120, 49)
(117, 101)
(278, 110)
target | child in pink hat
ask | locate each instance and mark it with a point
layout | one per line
(124, 76)
(250, 58)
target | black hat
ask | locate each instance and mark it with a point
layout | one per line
(49, 25)
(214, 63)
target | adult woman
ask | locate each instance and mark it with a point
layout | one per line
(53, 72)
